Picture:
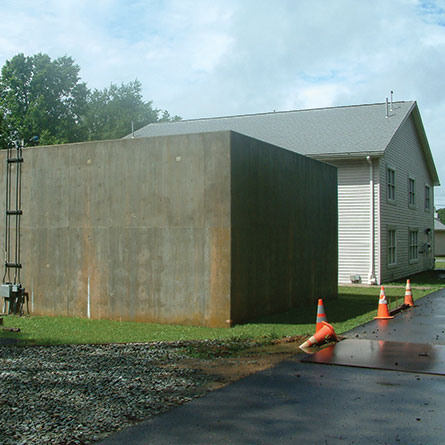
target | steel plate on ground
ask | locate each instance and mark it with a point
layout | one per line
(390, 355)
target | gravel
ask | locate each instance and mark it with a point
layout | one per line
(80, 394)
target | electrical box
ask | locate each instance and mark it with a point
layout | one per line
(355, 279)
(6, 290)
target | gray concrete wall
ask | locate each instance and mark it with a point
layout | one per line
(204, 229)
(284, 229)
(145, 222)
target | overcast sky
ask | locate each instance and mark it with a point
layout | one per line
(203, 58)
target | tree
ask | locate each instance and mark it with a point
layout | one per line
(165, 117)
(112, 111)
(45, 98)
(2, 132)
(41, 97)
(441, 215)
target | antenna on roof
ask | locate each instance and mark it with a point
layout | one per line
(392, 92)
(387, 109)
(132, 130)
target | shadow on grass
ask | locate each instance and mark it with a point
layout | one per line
(345, 307)
(356, 304)
(7, 338)
(433, 278)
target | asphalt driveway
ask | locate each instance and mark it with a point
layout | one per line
(311, 403)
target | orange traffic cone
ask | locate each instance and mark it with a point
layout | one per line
(408, 294)
(321, 316)
(383, 313)
(325, 334)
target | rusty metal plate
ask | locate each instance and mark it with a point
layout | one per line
(379, 354)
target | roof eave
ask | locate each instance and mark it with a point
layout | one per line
(346, 155)
(425, 145)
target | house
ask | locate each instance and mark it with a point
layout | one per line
(207, 229)
(386, 176)
(439, 238)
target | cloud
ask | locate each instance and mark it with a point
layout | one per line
(200, 58)
(315, 96)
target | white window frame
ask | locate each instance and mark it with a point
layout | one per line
(391, 247)
(413, 245)
(427, 198)
(411, 192)
(390, 185)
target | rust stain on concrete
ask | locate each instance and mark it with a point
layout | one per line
(219, 302)
(92, 267)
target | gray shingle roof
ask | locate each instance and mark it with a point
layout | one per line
(438, 225)
(321, 132)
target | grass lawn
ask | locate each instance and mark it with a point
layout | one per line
(440, 262)
(354, 306)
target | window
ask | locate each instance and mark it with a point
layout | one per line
(391, 180)
(391, 246)
(427, 198)
(413, 245)
(411, 192)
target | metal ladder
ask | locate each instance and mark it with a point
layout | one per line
(11, 290)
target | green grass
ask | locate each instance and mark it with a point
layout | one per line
(430, 279)
(440, 262)
(354, 306)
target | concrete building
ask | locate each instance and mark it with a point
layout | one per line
(206, 229)
(386, 176)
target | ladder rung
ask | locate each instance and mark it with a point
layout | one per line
(13, 265)
(15, 160)
(14, 212)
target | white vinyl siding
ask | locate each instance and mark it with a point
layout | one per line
(439, 243)
(405, 152)
(354, 212)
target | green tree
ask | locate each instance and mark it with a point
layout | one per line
(45, 98)
(112, 110)
(42, 97)
(441, 215)
(2, 132)
(165, 117)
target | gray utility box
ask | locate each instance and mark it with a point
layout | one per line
(6, 290)
(13, 298)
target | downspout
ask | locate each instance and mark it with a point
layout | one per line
(371, 275)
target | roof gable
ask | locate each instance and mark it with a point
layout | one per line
(438, 225)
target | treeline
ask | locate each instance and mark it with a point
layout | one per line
(44, 101)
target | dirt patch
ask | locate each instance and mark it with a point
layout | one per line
(228, 369)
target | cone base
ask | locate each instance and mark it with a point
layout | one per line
(384, 318)
(318, 326)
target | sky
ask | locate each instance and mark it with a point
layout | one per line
(204, 58)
